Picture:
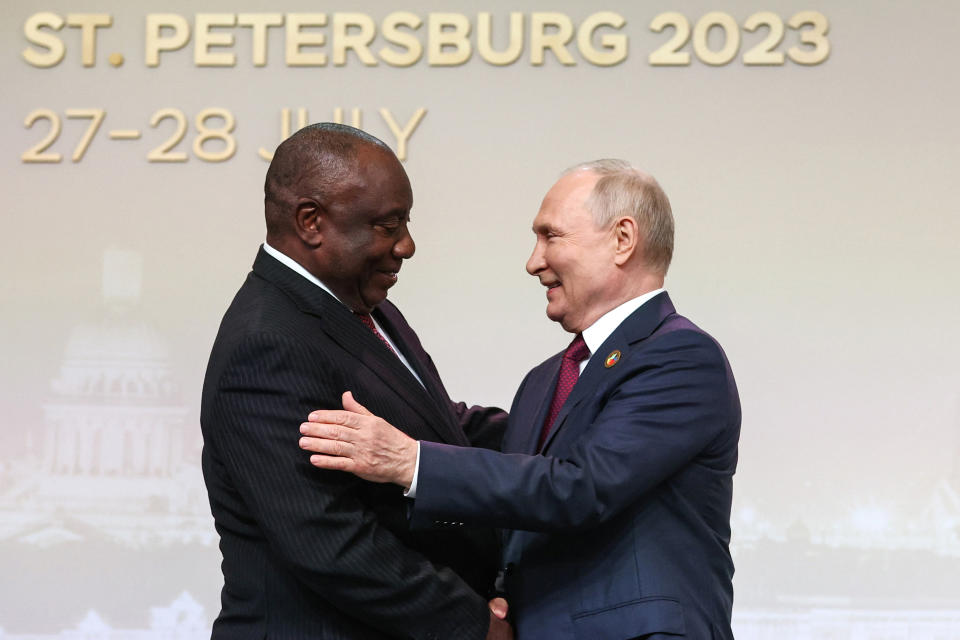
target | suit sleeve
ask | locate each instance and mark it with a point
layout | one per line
(483, 426)
(671, 408)
(314, 520)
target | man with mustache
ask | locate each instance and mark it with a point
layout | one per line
(615, 480)
(326, 555)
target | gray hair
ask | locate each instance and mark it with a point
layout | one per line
(623, 190)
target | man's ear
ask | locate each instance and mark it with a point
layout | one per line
(627, 236)
(308, 221)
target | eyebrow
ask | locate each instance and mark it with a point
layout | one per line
(401, 214)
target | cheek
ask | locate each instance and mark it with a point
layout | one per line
(566, 267)
(357, 252)
(376, 248)
(348, 248)
(371, 257)
(556, 260)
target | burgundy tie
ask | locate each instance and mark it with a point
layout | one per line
(367, 320)
(569, 372)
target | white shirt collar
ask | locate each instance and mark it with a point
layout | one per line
(599, 331)
(296, 266)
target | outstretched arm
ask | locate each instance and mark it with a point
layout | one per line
(356, 441)
(671, 408)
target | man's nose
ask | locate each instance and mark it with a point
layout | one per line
(536, 263)
(405, 246)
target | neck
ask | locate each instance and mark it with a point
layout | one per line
(641, 284)
(636, 286)
(633, 284)
(293, 249)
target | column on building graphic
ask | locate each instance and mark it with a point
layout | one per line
(113, 445)
(115, 410)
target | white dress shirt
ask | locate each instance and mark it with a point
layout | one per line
(296, 266)
(594, 335)
(597, 333)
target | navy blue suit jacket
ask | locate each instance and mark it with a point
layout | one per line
(621, 528)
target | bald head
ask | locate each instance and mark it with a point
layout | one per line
(338, 203)
(314, 162)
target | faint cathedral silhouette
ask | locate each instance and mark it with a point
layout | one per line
(110, 460)
(108, 476)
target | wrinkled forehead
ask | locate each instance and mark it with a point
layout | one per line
(566, 201)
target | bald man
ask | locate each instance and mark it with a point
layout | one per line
(329, 556)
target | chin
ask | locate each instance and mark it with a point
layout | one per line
(565, 320)
(373, 300)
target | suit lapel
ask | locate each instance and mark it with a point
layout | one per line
(359, 341)
(637, 327)
(343, 328)
(580, 390)
(406, 340)
(541, 393)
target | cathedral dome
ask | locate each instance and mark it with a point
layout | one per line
(121, 358)
(116, 360)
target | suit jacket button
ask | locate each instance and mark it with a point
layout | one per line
(509, 569)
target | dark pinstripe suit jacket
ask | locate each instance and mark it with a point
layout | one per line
(321, 554)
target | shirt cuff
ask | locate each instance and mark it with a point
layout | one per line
(412, 491)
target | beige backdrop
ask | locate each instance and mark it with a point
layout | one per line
(817, 240)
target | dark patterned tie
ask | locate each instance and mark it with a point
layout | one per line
(569, 372)
(367, 320)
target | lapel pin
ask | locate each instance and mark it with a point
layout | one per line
(612, 359)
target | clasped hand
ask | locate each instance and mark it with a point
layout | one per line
(355, 440)
(359, 442)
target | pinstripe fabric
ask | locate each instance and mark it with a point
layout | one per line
(318, 554)
(368, 323)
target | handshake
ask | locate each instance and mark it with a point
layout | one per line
(359, 442)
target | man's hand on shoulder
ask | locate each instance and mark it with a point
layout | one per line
(359, 442)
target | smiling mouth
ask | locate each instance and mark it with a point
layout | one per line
(392, 275)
